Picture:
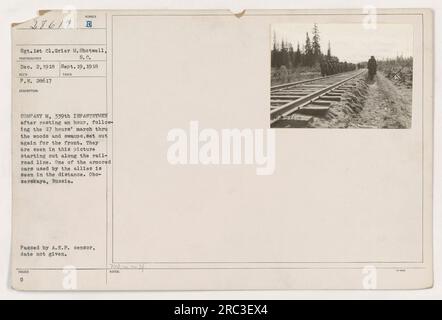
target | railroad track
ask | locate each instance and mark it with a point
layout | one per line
(295, 104)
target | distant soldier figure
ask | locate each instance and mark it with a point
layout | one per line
(331, 68)
(323, 68)
(372, 67)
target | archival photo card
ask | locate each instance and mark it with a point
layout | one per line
(144, 156)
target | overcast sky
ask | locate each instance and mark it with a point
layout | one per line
(352, 42)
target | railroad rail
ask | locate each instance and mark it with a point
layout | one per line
(294, 104)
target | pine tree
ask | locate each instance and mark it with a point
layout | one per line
(298, 56)
(284, 54)
(316, 46)
(308, 51)
(329, 50)
(274, 53)
(291, 56)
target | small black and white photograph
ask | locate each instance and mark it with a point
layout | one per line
(341, 76)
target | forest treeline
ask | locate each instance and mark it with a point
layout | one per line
(310, 55)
